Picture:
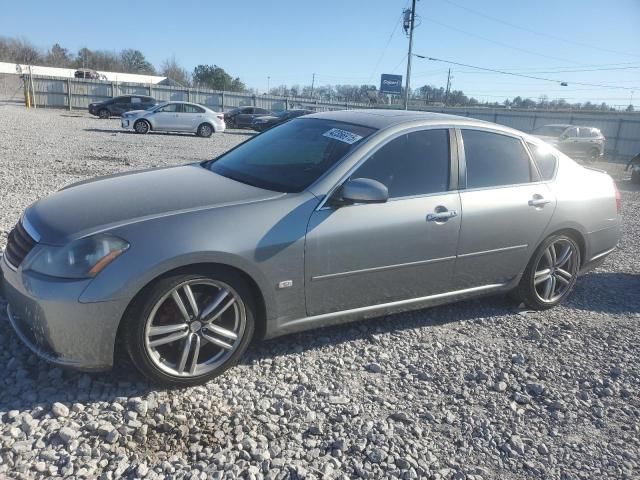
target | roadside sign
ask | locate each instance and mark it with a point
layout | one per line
(391, 84)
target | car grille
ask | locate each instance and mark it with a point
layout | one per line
(19, 244)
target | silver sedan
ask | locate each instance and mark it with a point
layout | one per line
(175, 117)
(325, 219)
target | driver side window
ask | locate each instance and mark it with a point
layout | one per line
(172, 108)
(415, 163)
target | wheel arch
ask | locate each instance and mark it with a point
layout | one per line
(206, 122)
(143, 120)
(576, 235)
(203, 268)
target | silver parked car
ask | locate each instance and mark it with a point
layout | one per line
(575, 141)
(327, 218)
(175, 117)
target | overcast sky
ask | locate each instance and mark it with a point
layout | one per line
(355, 41)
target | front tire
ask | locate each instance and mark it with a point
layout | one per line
(551, 273)
(104, 114)
(189, 328)
(142, 127)
(205, 130)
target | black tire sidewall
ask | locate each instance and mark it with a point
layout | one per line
(526, 289)
(200, 128)
(104, 117)
(141, 122)
(136, 319)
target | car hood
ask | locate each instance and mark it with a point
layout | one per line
(133, 113)
(103, 203)
(265, 117)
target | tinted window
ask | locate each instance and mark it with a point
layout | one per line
(171, 107)
(123, 100)
(549, 131)
(493, 159)
(261, 111)
(416, 163)
(247, 110)
(588, 132)
(292, 156)
(192, 109)
(136, 100)
(545, 160)
(572, 132)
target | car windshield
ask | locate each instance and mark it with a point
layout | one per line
(292, 156)
(550, 130)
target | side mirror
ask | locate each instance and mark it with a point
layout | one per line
(363, 190)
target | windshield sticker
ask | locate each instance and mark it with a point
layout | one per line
(342, 136)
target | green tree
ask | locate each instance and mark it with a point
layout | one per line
(133, 61)
(215, 77)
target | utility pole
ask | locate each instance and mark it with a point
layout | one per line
(313, 81)
(406, 88)
(446, 95)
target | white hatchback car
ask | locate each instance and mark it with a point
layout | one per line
(175, 117)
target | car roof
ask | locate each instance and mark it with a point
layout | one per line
(379, 119)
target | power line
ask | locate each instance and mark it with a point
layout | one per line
(384, 50)
(535, 32)
(571, 71)
(563, 83)
(530, 52)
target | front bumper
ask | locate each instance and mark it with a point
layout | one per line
(49, 319)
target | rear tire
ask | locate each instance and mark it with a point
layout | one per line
(205, 130)
(190, 359)
(594, 155)
(104, 113)
(551, 273)
(142, 127)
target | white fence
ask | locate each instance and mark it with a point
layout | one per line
(622, 130)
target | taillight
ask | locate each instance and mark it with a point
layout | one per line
(221, 117)
(618, 198)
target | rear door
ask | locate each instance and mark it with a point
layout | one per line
(570, 144)
(505, 208)
(191, 117)
(121, 105)
(166, 117)
(244, 117)
(367, 254)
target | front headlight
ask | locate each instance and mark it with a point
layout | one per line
(83, 258)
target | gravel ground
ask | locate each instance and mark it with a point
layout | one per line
(475, 390)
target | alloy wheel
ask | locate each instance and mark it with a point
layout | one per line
(141, 127)
(195, 327)
(205, 131)
(556, 271)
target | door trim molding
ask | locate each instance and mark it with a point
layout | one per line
(495, 250)
(391, 305)
(378, 269)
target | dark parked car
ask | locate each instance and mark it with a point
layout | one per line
(86, 73)
(634, 166)
(118, 105)
(242, 117)
(577, 142)
(265, 122)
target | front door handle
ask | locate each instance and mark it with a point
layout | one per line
(441, 216)
(538, 201)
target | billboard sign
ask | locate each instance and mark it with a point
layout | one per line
(391, 84)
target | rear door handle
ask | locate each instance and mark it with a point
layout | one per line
(441, 216)
(538, 201)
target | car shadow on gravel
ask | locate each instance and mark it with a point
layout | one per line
(628, 186)
(27, 382)
(606, 292)
(131, 132)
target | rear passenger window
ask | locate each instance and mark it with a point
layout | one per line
(494, 160)
(192, 109)
(545, 160)
(416, 163)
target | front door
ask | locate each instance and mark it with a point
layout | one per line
(505, 209)
(368, 254)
